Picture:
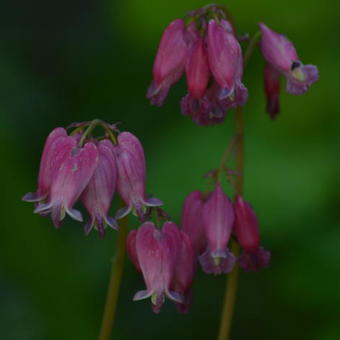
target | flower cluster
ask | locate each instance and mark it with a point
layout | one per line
(211, 222)
(205, 48)
(79, 166)
(168, 257)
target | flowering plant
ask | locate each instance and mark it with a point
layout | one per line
(218, 233)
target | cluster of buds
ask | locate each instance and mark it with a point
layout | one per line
(79, 166)
(205, 48)
(168, 257)
(211, 221)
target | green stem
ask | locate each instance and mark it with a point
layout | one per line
(251, 47)
(231, 288)
(115, 281)
(89, 129)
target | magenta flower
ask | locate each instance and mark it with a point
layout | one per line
(226, 63)
(131, 176)
(253, 257)
(97, 196)
(218, 217)
(184, 272)
(198, 74)
(272, 89)
(155, 255)
(192, 221)
(48, 163)
(73, 169)
(281, 54)
(169, 63)
(131, 143)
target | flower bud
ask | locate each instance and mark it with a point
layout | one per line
(218, 217)
(155, 254)
(281, 54)
(169, 63)
(272, 89)
(131, 176)
(192, 221)
(97, 196)
(225, 59)
(197, 69)
(247, 232)
(74, 168)
(184, 272)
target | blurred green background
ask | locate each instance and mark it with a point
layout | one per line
(76, 60)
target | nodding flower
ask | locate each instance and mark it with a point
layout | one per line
(131, 176)
(154, 253)
(281, 54)
(97, 196)
(253, 257)
(169, 63)
(73, 168)
(218, 217)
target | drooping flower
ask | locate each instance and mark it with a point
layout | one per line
(281, 54)
(155, 254)
(218, 217)
(48, 163)
(97, 196)
(131, 176)
(226, 62)
(253, 257)
(72, 173)
(197, 72)
(169, 63)
(184, 272)
(192, 221)
(272, 89)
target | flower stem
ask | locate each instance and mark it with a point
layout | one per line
(231, 288)
(115, 280)
(251, 47)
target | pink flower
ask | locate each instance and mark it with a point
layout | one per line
(169, 63)
(226, 62)
(131, 176)
(155, 254)
(192, 221)
(184, 272)
(72, 171)
(48, 163)
(272, 89)
(97, 196)
(281, 54)
(197, 72)
(253, 257)
(218, 217)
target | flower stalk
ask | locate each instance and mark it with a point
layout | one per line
(232, 280)
(115, 281)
